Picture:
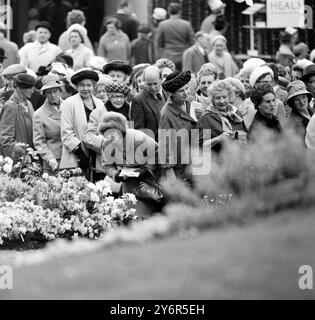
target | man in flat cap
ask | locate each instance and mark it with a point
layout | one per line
(42, 52)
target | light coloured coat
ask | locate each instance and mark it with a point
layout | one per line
(73, 126)
(46, 133)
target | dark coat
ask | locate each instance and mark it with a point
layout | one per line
(261, 123)
(211, 120)
(170, 150)
(145, 112)
(129, 25)
(16, 125)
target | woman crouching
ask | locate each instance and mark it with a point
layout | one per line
(131, 158)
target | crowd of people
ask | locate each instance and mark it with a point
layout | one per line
(78, 109)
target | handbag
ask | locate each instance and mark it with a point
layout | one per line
(150, 190)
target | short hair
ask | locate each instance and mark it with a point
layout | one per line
(111, 20)
(75, 16)
(122, 4)
(173, 8)
(259, 91)
(205, 73)
(165, 63)
(199, 34)
(221, 85)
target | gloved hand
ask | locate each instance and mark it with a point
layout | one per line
(53, 164)
(83, 159)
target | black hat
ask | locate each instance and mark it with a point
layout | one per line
(176, 80)
(308, 72)
(2, 53)
(84, 74)
(65, 58)
(117, 65)
(24, 81)
(44, 24)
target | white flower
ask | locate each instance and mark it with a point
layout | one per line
(8, 160)
(7, 168)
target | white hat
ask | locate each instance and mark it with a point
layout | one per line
(257, 73)
(97, 63)
(303, 63)
(312, 55)
(79, 28)
(216, 4)
(59, 67)
(290, 30)
(31, 73)
(159, 14)
(236, 83)
(50, 81)
(253, 63)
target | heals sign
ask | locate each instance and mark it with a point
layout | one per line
(285, 13)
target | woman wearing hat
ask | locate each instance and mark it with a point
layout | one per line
(75, 114)
(298, 100)
(117, 96)
(16, 125)
(223, 119)
(46, 125)
(79, 52)
(99, 89)
(129, 149)
(175, 116)
(264, 100)
(118, 70)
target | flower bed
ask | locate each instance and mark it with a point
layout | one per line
(43, 208)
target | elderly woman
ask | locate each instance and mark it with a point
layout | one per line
(298, 100)
(223, 119)
(114, 43)
(16, 125)
(75, 114)
(79, 52)
(264, 100)
(117, 95)
(130, 158)
(46, 125)
(175, 116)
(99, 89)
(221, 58)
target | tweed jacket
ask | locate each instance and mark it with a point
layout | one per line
(146, 112)
(73, 126)
(16, 125)
(46, 133)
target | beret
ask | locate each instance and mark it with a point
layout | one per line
(44, 24)
(257, 73)
(24, 81)
(13, 70)
(117, 88)
(117, 65)
(83, 74)
(176, 80)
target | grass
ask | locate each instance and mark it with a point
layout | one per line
(256, 261)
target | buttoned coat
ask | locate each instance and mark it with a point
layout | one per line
(46, 133)
(146, 112)
(16, 125)
(171, 154)
(73, 126)
(193, 59)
